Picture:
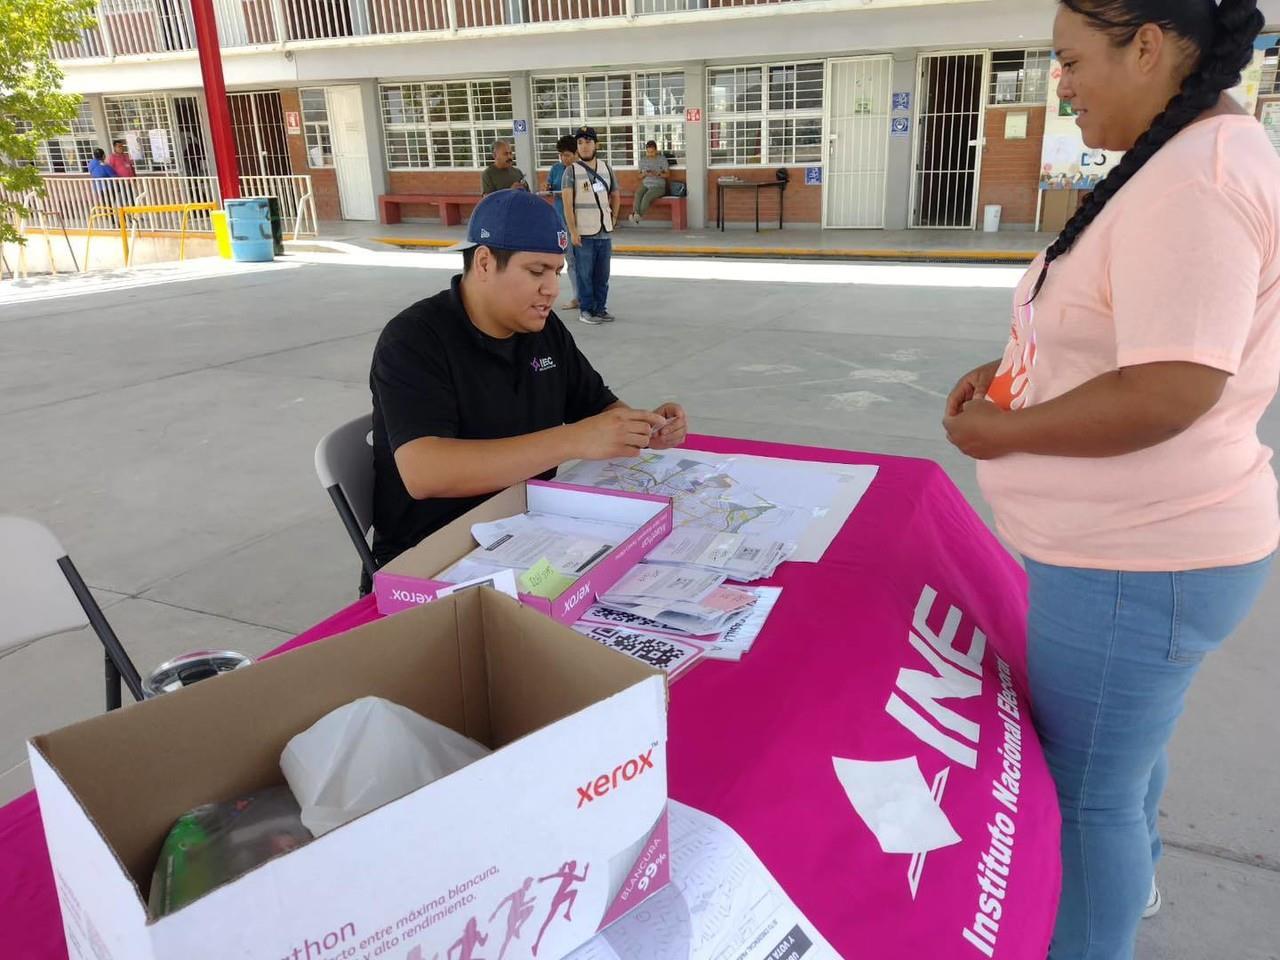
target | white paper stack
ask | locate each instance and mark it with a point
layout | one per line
(740, 557)
(570, 544)
(688, 599)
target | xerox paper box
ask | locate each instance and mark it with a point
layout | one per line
(526, 853)
(409, 579)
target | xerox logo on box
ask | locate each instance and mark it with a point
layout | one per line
(622, 774)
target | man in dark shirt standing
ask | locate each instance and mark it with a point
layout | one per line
(502, 174)
(481, 386)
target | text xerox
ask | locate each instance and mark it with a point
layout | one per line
(624, 771)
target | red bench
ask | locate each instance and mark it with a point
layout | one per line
(679, 207)
(450, 205)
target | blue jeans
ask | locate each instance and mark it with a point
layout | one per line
(1111, 657)
(591, 260)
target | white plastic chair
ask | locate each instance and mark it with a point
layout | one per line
(42, 593)
(344, 464)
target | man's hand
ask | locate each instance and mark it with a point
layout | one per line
(979, 429)
(673, 432)
(972, 384)
(576, 238)
(618, 432)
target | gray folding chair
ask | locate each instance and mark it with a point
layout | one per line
(42, 593)
(344, 464)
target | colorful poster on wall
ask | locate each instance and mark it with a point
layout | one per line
(1065, 162)
(1251, 82)
(1271, 122)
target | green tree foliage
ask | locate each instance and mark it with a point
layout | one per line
(32, 108)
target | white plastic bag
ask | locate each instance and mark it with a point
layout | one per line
(366, 754)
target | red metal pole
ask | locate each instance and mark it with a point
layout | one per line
(215, 93)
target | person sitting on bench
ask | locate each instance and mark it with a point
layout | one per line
(656, 171)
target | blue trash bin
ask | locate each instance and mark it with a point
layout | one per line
(249, 221)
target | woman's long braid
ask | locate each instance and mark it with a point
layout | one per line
(1239, 23)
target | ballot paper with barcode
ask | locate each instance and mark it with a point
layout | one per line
(732, 642)
(666, 652)
(722, 904)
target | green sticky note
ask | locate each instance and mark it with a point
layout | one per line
(544, 580)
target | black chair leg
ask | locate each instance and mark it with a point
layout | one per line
(117, 659)
(113, 684)
(357, 535)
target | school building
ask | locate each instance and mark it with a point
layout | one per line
(885, 114)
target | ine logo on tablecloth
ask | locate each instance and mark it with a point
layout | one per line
(902, 811)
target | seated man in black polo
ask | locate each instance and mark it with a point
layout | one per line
(481, 386)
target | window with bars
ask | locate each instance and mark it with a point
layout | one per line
(768, 113)
(145, 124)
(626, 109)
(315, 127)
(448, 125)
(1019, 77)
(71, 152)
(1270, 81)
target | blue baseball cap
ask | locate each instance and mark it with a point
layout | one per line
(515, 220)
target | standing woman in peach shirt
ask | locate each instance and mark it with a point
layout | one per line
(1118, 434)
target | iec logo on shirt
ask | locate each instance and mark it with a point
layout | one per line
(539, 364)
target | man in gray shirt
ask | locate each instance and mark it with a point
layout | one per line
(502, 174)
(656, 172)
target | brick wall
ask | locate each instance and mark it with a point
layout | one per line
(1011, 168)
(324, 182)
(431, 181)
(802, 205)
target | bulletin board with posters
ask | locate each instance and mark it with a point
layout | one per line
(1066, 163)
(1068, 167)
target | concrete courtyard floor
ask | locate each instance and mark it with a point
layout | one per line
(163, 423)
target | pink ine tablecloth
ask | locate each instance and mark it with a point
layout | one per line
(905, 643)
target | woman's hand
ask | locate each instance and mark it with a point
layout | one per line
(979, 429)
(972, 384)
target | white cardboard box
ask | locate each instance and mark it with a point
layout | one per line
(409, 579)
(568, 815)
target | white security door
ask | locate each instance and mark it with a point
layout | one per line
(859, 96)
(350, 153)
(951, 98)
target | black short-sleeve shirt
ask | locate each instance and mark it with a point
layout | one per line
(435, 374)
